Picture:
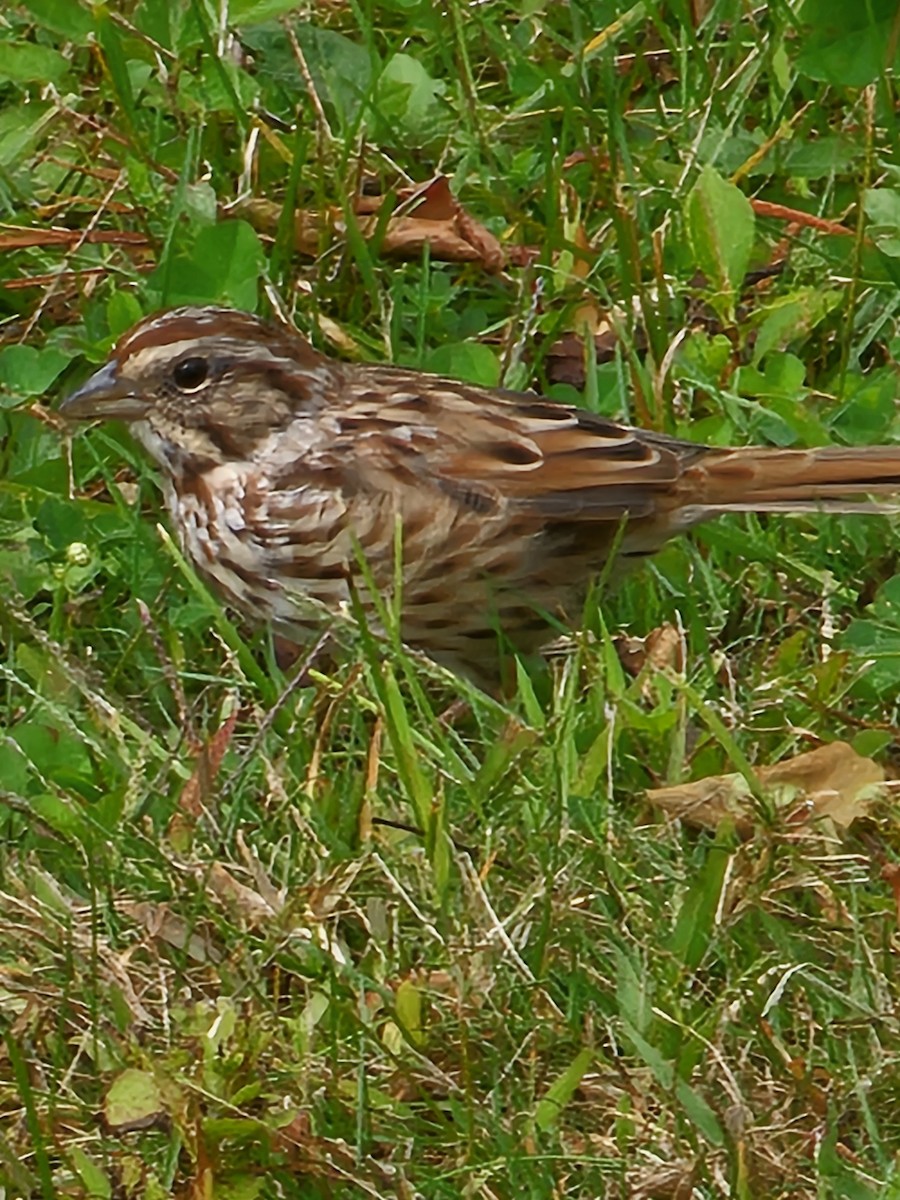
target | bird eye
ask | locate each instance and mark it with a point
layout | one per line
(190, 373)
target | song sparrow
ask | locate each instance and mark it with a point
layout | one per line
(282, 467)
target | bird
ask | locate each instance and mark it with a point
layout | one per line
(296, 482)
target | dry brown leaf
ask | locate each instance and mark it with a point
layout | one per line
(196, 792)
(272, 895)
(565, 360)
(160, 922)
(244, 901)
(831, 782)
(660, 649)
(436, 219)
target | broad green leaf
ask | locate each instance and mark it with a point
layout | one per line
(61, 521)
(847, 44)
(68, 18)
(27, 371)
(408, 1007)
(62, 816)
(240, 1187)
(134, 1101)
(699, 1113)
(407, 107)
(869, 411)
(792, 317)
(223, 266)
(20, 127)
(827, 155)
(24, 62)
(695, 1107)
(470, 361)
(123, 310)
(877, 638)
(721, 227)
(116, 61)
(633, 992)
(341, 69)
(882, 207)
(95, 1180)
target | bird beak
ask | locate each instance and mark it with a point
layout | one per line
(105, 396)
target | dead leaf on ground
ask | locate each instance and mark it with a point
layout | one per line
(831, 782)
(166, 926)
(661, 649)
(428, 215)
(197, 791)
(565, 360)
(247, 904)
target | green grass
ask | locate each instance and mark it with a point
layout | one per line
(261, 940)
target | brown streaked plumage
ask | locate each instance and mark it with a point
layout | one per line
(278, 462)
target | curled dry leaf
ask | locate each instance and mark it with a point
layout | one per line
(661, 649)
(248, 905)
(166, 926)
(831, 782)
(431, 215)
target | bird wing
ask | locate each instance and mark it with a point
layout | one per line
(490, 448)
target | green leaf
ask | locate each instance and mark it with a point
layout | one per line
(407, 107)
(633, 992)
(341, 69)
(241, 1187)
(123, 310)
(882, 207)
(792, 317)
(695, 1107)
(869, 411)
(470, 361)
(116, 63)
(20, 127)
(420, 794)
(254, 12)
(877, 638)
(408, 1010)
(60, 521)
(696, 919)
(62, 816)
(549, 1108)
(721, 228)
(27, 371)
(24, 62)
(699, 1113)
(64, 17)
(95, 1180)
(134, 1101)
(847, 44)
(223, 266)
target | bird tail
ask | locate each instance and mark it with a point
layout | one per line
(837, 479)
